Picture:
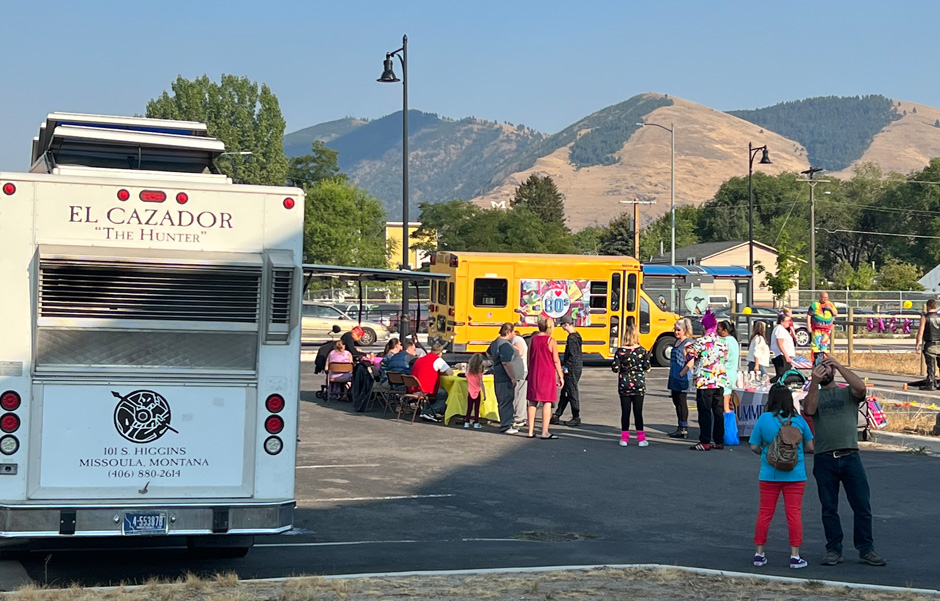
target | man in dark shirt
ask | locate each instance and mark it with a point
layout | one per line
(834, 410)
(501, 353)
(928, 340)
(572, 362)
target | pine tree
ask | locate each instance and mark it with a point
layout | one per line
(540, 196)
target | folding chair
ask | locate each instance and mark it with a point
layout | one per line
(337, 368)
(396, 390)
(413, 400)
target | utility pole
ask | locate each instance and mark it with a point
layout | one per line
(809, 173)
(636, 202)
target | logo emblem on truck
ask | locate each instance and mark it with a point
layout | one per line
(142, 416)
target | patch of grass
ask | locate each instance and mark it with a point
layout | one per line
(894, 363)
(907, 420)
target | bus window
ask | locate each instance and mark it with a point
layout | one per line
(631, 293)
(451, 296)
(442, 293)
(433, 294)
(490, 293)
(644, 316)
(599, 295)
(615, 285)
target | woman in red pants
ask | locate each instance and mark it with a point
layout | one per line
(773, 481)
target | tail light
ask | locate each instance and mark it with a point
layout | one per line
(272, 445)
(152, 195)
(274, 424)
(9, 189)
(10, 401)
(9, 422)
(451, 312)
(182, 198)
(123, 194)
(289, 203)
(274, 403)
(430, 308)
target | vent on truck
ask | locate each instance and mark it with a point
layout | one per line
(281, 287)
(151, 292)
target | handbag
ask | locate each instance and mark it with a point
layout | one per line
(731, 429)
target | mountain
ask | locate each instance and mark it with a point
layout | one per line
(448, 159)
(299, 142)
(606, 157)
(711, 147)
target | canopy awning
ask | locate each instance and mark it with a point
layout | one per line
(368, 274)
(684, 271)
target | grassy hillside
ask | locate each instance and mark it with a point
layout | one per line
(299, 142)
(835, 130)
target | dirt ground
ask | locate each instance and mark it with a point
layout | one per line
(576, 585)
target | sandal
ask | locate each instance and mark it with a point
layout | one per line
(549, 437)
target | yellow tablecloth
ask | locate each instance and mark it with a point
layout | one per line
(456, 388)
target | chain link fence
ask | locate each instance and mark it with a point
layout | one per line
(876, 301)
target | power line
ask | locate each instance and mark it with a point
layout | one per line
(877, 233)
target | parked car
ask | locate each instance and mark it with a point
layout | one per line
(388, 314)
(318, 319)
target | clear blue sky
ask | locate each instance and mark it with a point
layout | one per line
(545, 64)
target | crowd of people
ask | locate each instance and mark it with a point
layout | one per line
(530, 378)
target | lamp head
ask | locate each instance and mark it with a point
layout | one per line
(765, 157)
(388, 72)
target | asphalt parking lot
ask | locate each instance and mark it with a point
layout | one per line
(379, 494)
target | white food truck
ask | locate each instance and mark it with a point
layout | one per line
(150, 363)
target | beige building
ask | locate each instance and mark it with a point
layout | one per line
(393, 231)
(728, 254)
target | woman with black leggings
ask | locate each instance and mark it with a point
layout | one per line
(679, 377)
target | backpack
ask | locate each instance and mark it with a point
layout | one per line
(783, 452)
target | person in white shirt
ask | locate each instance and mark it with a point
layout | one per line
(781, 344)
(758, 353)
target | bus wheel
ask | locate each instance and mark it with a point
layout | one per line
(368, 337)
(661, 350)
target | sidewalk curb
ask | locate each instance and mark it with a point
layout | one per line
(649, 566)
(911, 441)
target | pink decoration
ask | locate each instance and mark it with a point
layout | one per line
(908, 324)
(893, 325)
(881, 325)
(871, 324)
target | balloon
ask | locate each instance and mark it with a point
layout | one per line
(908, 304)
(747, 311)
(871, 324)
(908, 324)
(881, 325)
(893, 325)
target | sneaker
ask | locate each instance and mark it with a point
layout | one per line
(623, 443)
(573, 422)
(700, 447)
(718, 447)
(832, 558)
(679, 433)
(428, 417)
(760, 560)
(519, 425)
(555, 420)
(796, 563)
(512, 431)
(872, 558)
(643, 443)
(477, 426)
(466, 425)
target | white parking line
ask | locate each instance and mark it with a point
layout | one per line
(389, 498)
(320, 467)
(337, 544)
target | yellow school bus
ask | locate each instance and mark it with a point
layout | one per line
(485, 290)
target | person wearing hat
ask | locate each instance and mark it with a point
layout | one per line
(706, 357)
(572, 363)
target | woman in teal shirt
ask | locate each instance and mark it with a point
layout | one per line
(732, 361)
(773, 481)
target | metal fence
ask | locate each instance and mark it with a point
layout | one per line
(879, 301)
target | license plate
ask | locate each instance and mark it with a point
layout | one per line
(144, 522)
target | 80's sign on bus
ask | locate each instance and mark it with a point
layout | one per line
(555, 299)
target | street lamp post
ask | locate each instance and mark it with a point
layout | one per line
(672, 202)
(764, 160)
(388, 76)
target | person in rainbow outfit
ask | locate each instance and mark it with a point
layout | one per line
(819, 320)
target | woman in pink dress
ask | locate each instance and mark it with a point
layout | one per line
(544, 377)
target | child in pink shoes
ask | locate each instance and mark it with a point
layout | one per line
(631, 362)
